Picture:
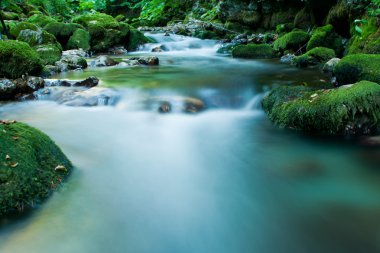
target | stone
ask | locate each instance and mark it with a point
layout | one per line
(103, 61)
(330, 65)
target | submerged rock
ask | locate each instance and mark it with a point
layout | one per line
(350, 110)
(288, 58)
(103, 61)
(79, 96)
(149, 60)
(27, 172)
(88, 82)
(177, 104)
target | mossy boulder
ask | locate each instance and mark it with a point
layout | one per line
(205, 35)
(49, 53)
(135, 39)
(326, 37)
(10, 15)
(34, 38)
(339, 18)
(41, 20)
(353, 110)
(80, 39)
(62, 31)
(17, 59)
(353, 68)
(253, 51)
(32, 167)
(368, 42)
(16, 28)
(304, 19)
(291, 41)
(100, 19)
(318, 55)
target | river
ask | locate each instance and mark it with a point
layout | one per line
(222, 180)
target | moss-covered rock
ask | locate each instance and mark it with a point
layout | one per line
(34, 38)
(31, 167)
(120, 18)
(10, 15)
(80, 39)
(339, 18)
(304, 19)
(318, 55)
(253, 51)
(353, 109)
(62, 31)
(16, 28)
(18, 58)
(353, 68)
(41, 20)
(368, 42)
(49, 53)
(100, 19)
(326, 37)
(135, 39)
(204, 34)
(291, 41)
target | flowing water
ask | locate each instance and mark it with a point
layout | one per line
(223, 180)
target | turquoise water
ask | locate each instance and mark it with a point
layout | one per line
(224, 180)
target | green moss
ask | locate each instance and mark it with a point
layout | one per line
(34, 38)
(18, 58)
(62, 31)
(368, 42)
(326, 37)
(120, 18)
(353, 68)
(31, 13)
(347, 110)
(16, 28)
(10, 15)
(204, 34)
(304, 19)
(135, 39)
(41, 20)
(291, 41)
(29, 175)
(318, 55)
(253, 51)
(80, 39)
(339, 18)
(49, 54)
(100, 19)
(284, 28)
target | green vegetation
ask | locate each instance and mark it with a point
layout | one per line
(17, 59)
(291, 41)
(31, 167)
(18, 27)
(100, 19)
(318, 55)
(49, 53)
(368, 40)
(326, 37)
(41, 20)
(353, 68)
(346, 110)
(80, 39)
(253, 51)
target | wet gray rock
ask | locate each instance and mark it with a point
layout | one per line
(71, 62)
(117, 50)
(7, 89)
(330, 65)
(103, 61)
(75, 52)
(287, 59)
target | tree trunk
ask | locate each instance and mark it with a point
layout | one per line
(3, 24)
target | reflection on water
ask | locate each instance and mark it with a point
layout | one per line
(224, 180)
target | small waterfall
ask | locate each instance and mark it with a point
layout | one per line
(179, 43)
(255, 102)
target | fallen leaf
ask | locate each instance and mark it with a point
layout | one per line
(60, 168)
(13, 165)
